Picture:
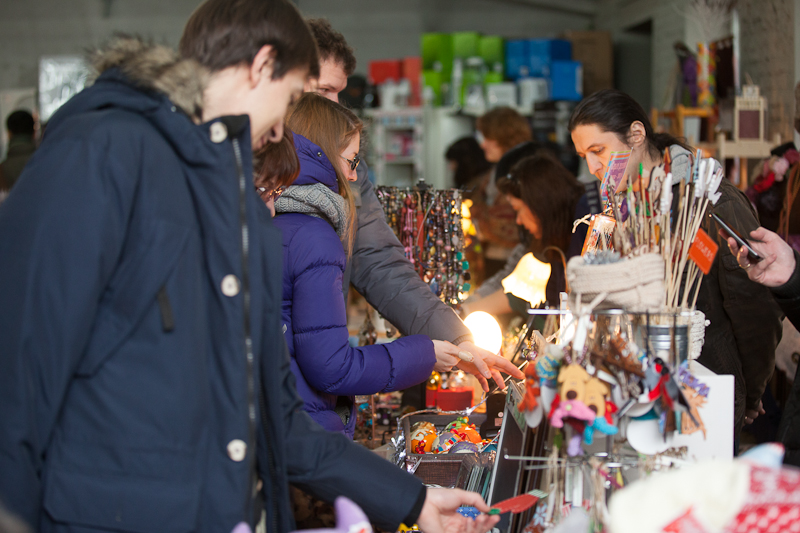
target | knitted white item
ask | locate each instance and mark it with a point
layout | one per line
(697, 334)
(635, 284)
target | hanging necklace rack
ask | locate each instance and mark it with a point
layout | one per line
(427, 222)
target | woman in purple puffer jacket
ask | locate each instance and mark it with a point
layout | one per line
(316, 217)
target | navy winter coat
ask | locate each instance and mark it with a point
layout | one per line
(143, 375)
(315, 318)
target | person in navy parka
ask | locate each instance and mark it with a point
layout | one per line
(316, 218)
(144, 380)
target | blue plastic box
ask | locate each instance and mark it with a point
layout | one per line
(566, 80)
(517, 64)
(542, 53)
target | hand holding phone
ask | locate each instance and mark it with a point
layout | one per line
(752, 255)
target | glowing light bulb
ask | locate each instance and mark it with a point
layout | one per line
(529, 279)
(466, 219)
(485, 330)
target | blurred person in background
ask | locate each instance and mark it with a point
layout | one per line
(21, 129)
(470, 169)
(498, 131)
(547, 199)
(467, 161)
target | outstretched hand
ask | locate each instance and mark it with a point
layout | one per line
(446, 356)
(778, 264)
(485, 366)
(439, 514)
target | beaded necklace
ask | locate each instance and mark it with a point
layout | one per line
(427, 223)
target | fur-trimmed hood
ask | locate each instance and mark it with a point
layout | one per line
(157, 68)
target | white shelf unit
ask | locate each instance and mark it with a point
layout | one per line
(427, 133)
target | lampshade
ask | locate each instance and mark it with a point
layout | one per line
(528, 281)
(485, 330)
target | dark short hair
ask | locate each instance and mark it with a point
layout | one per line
(20, 123)
(551, 192)
(276, 164)
(505, 126)
(332, 45)
(469, 158)
(614, 111)
(227, 33)
(514, 156)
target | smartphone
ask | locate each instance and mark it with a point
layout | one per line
(752, 255)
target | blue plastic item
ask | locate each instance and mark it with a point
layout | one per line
(543, 52)
(469, 512)
(517, 59)
(567, 80)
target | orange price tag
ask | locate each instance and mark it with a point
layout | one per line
(703, 251)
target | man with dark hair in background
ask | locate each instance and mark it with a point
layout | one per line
(378, 268)
(21, 128)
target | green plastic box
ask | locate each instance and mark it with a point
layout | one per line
(465, 44)
(490, 48)
(437, 53)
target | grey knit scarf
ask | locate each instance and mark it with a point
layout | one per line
(316, 200)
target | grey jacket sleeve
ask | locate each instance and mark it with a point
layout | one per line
(495, 283)
(380, 272)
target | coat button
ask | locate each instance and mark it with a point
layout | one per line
(230, 285)
(237, 450)
(218, 132)
(284, 328)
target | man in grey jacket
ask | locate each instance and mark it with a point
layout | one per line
(378, 268)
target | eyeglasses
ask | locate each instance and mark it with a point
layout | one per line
(353, 162)
(267, 194)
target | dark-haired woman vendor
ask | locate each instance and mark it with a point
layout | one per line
(745, 321)
(547, 199)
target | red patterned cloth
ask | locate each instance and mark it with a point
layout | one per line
(773, 502)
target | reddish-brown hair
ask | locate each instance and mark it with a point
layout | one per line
(276, 164)
(505, 126)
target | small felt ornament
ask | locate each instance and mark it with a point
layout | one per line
(599, 424)
(422, 424)
(464, 447)
(423, 444)
(444, 442)
(595, 396)
(470, 434)
(548, 364)
(459, 422)
(571, 409)
(532, 390)
(573, 379)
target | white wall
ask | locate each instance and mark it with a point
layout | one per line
(669, 26)
(30, 29)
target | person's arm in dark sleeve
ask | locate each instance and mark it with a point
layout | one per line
(788, 295)
(754, 315)
(327, 464)
(61, 232)
(388, 281)
(321, 339)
